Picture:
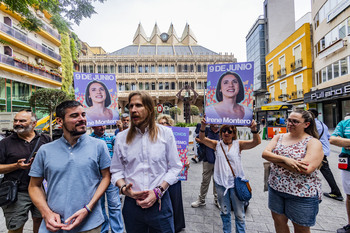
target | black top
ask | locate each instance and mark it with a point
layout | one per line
(14, 148)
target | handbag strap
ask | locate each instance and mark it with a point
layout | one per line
(233, 173)
(31, 155)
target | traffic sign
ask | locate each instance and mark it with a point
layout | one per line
(159, 108)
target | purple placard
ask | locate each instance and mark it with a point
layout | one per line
(182, 137)
(98, 94)
(229, 95)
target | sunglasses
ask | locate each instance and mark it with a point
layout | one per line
(165, 123)
(293, 121)
(227, 130)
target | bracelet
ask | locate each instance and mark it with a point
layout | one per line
(87, 208)
(254, 132)
(203, 131)
(121, 189)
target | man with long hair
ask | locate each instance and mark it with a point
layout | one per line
(144, 164)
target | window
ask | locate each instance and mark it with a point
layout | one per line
(205, 68)
(166, 69)
(126, 69)
(140, 69)
(140, 86)
(112, 68)
(199, 85)
(84, 69)
(160, 86)
(120, 69)
(127, 86)
(283, 87)
(133, 86)
(329, 72)
(297, 53)
(324, 75)
(160, 69)
(121, 87)
(166, 87)
(8, 21)
(185, 68)
(8, 50)
(172, 69)
(99, 69)
(132, 69)
(20, 91)
(342, 30)
(105, 69)
(91, 69)
(2, 88)
(199, 68)
(152, 69)
(179, 68)
(173, 87)
(272, 92)
(147, 70)
(153, 86)
(191, 68)
(146, 86)
(336, 69)
(270, 69)
(343, 66)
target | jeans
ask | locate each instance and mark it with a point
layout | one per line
(238, 208)
(114, 211)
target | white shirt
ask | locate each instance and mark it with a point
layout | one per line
(144, 163)
(222, 173)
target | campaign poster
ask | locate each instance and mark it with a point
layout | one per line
(181, 137)
(229, 94)
(98, 94)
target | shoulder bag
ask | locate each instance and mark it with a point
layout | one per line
(9, 188)
(242, 186)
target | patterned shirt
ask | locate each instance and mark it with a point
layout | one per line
(283, 180)
(109, 139)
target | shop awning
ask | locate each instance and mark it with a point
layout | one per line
(276, 105)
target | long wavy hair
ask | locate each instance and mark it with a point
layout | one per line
(309, 117)
(150, 119)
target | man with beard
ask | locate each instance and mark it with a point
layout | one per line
(114, 218)
(14, 151)
(76, 168)
(144, 164)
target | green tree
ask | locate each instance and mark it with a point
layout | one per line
(67, 64)
(73, 50)
(62, 11)
(194, 110)
(48, 99)
(175, 111)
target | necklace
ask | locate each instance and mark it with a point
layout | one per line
(227, 143)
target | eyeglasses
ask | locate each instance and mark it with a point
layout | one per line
(293, 121)
(227, 130)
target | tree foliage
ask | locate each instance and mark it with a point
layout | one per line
(47, 99)
(73, 50)
(67, 64)
(194, 110)
(62, 11)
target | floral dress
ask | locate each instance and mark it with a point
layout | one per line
(283, 180)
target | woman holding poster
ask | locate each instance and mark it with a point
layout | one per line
(224, 180)
(229, 93)
(98, 99)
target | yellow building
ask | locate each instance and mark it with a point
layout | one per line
(289, 68)
(28, 60)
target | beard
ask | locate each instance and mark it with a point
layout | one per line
(23, 129)
(75, 132)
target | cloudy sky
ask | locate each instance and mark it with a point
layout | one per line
(220, 25)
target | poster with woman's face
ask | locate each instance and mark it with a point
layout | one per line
(229, 94)
(98, 94)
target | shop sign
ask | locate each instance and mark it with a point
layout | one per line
(272, 131)
(272, 107)
(341, 90)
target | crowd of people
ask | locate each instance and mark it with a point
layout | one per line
(84, 173)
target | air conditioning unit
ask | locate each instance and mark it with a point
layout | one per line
(40, 14)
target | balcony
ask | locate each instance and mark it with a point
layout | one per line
(281, 73)
(19, 36)
(298, 64)
(25, 67)
(270, 78)
(51, 31)
(298, 94)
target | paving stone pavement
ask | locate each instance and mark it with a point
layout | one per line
(331, 216)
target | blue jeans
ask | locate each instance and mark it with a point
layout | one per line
(114, 211)
(238, 208)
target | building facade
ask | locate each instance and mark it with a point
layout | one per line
(255, 46)
(28, 60)
(289, 68)
(162, 64)
(331, 91)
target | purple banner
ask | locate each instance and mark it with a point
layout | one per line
(182, 137)
(98, 94)
(229, 96)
